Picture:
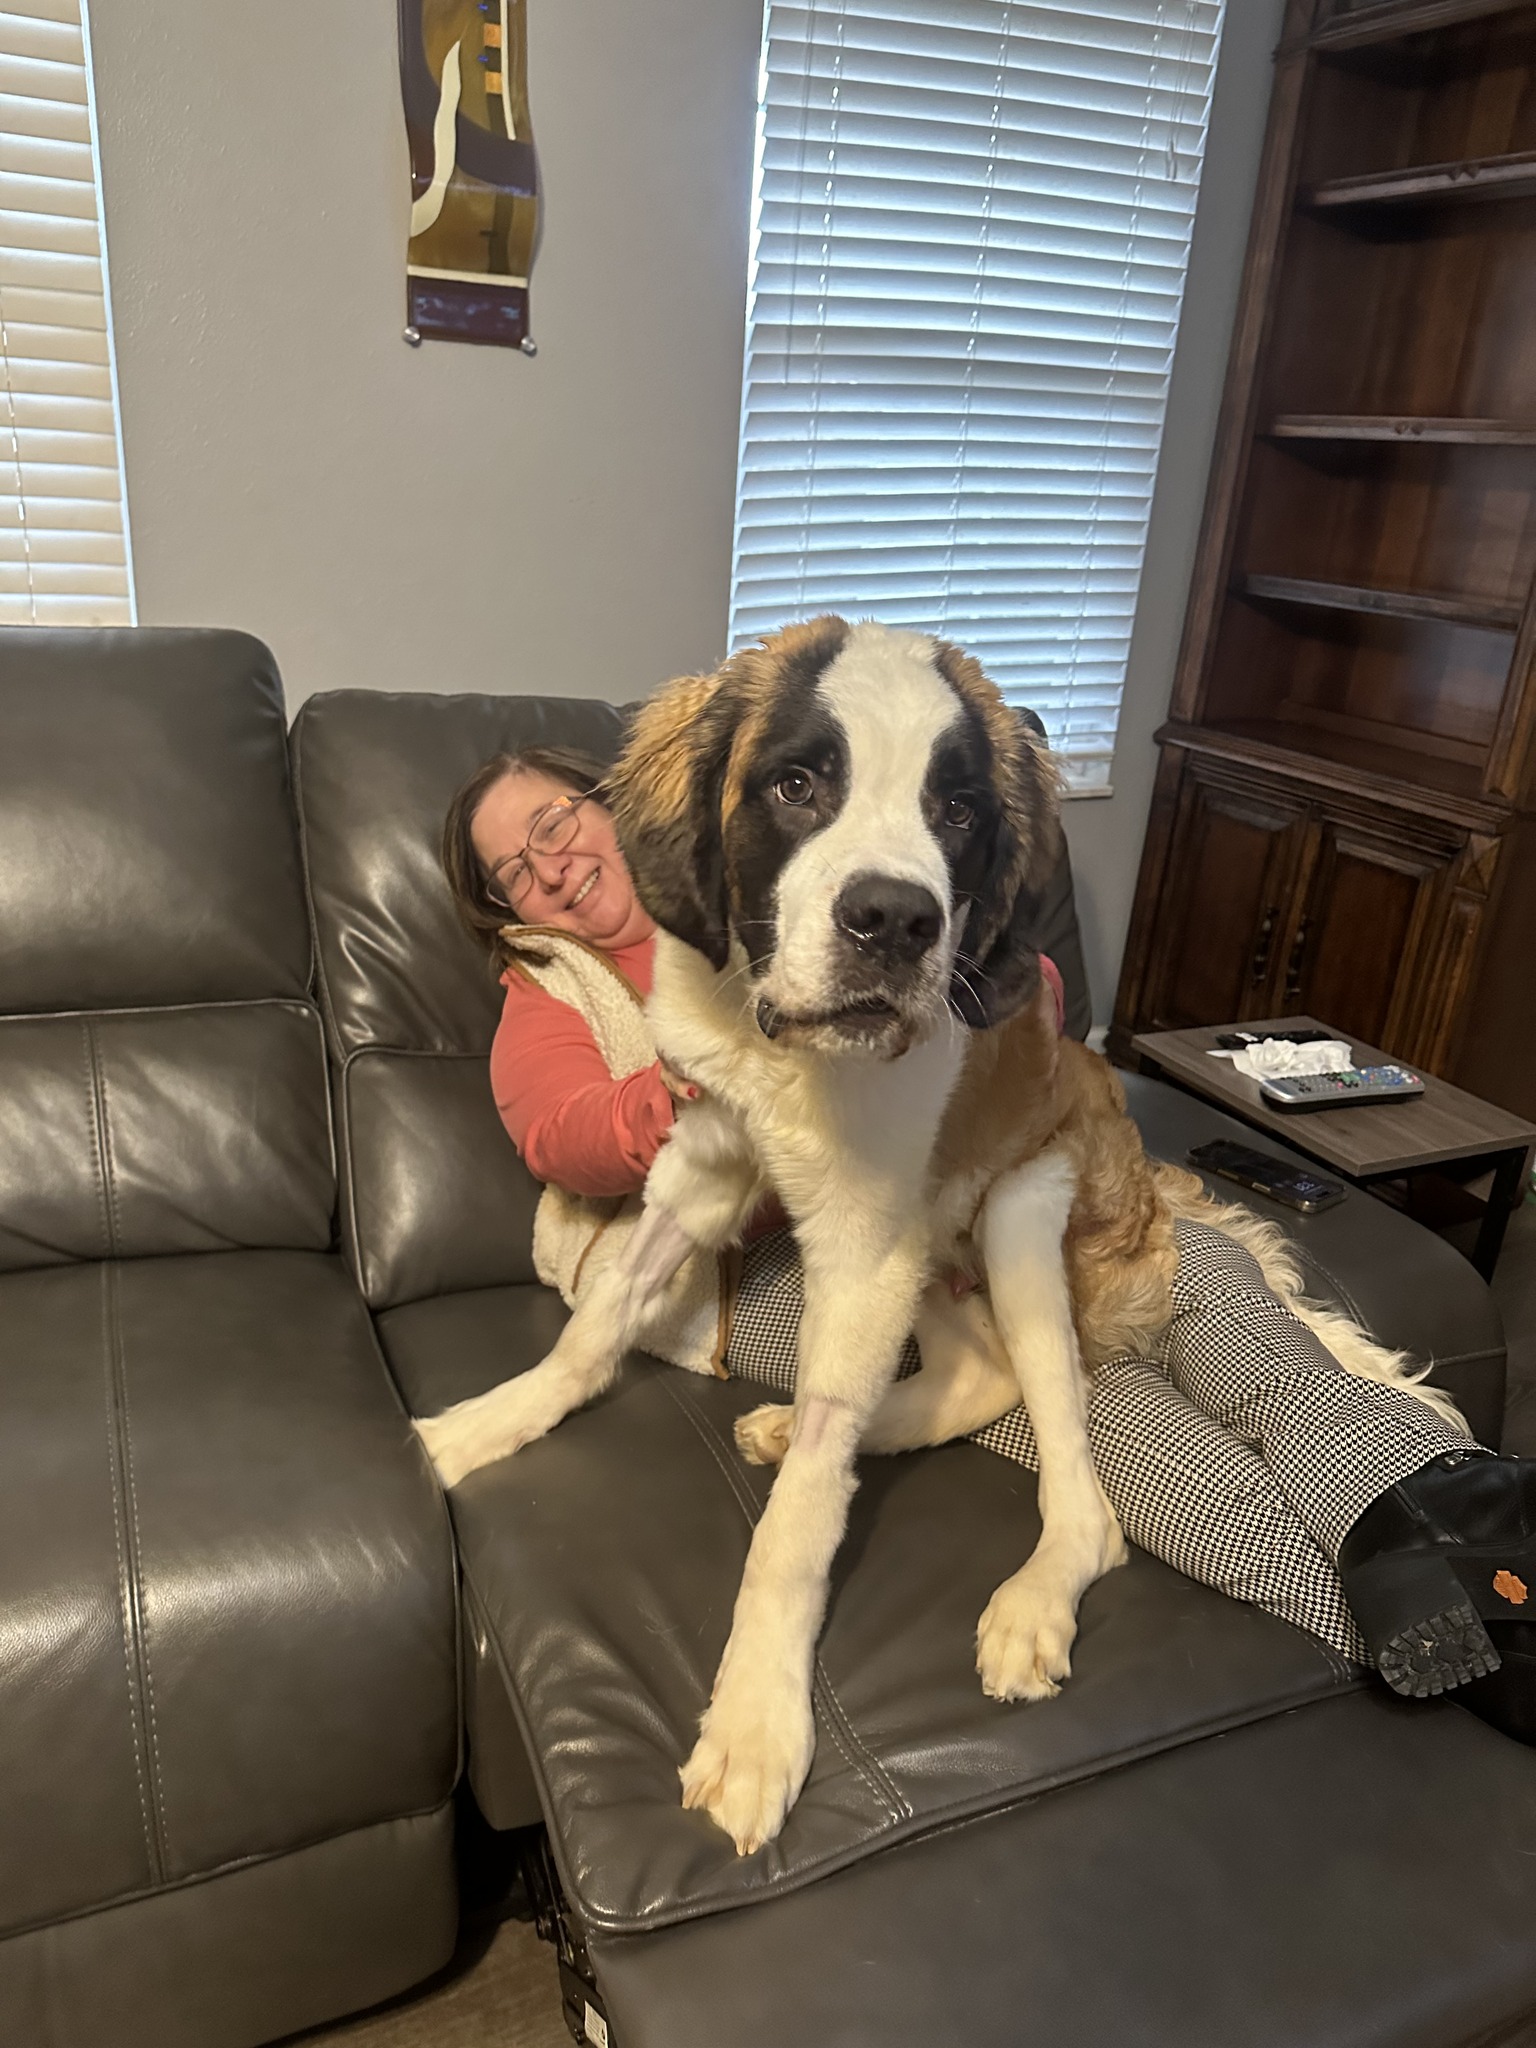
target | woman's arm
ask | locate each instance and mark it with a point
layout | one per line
(572, 1122)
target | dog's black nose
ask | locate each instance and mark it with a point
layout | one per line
(898, 922)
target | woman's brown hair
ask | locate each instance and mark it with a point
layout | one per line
(480, 913)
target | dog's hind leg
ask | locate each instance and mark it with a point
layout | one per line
(966, 1382)
(1024, 1639)
(708, 1189)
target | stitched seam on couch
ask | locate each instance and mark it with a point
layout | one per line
(130, 1585)
(295, 753)
(915, 1829)
(98, 1145)
(1346, 1299)
(850, 1744)
(142, 1893)
(944, 1818)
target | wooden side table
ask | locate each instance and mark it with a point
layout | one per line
(1444, 1126)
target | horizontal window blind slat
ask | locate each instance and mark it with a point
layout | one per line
(38, 78)
(63, 544)
(62, 579)
(47, 198)
(43, 608)
(50, 37)
(57, 384)
(24, 230)
(47, 270)
(970, 230)
(43, 480)
(66, 12)
(46, 119)
(60, 514)
(29, 447)
(46, 156)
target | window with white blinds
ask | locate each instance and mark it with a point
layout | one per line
(971, 221)
(64, 557)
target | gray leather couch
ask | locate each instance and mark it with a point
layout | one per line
(227, 1651)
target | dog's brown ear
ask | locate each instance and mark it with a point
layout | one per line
(666, 796)
(997, 967)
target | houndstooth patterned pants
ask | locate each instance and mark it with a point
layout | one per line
(1241, 1454)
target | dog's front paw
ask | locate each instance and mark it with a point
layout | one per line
(1024, 1639)
(750, 1761)
(762, 1436)
(478, 1432)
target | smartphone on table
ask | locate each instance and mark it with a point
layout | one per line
(1298, 1187)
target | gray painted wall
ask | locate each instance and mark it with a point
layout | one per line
(463, 518)
(447, 517)
(1105, 834)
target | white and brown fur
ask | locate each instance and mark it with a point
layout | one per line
(901, 1086)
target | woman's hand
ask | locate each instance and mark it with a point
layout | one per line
(677, 1086)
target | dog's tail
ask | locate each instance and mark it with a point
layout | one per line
(1356, 1351)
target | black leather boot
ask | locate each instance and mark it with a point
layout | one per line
(1436, 1567)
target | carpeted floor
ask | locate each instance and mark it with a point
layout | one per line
(501, 1995)
(501, 1989)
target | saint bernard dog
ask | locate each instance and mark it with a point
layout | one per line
(841, 835)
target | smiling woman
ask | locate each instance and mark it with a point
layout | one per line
(529, 849)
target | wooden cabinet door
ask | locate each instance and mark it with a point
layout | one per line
(1371, 896)
(1232, 870)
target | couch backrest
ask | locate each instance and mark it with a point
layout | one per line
(434, 1198)
(162, 1071)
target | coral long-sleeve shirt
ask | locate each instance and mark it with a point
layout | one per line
(573, 1123)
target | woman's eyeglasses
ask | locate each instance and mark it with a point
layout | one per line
(552, 831)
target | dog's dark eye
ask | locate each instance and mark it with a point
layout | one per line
(795, 786)
(960, 812)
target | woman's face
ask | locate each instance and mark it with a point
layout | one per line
(583, 889)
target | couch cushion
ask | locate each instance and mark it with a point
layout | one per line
(226, 1582)
(605, 1560)
(375, 772)
(1410, 1288)
(147, 846)
(131, 1132)
(434, 1195)
(1357, 1875)
(436, 1198)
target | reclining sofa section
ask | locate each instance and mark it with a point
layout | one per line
(228, 1647)
(1163, 1854)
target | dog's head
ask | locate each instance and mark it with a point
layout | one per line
(857, 809)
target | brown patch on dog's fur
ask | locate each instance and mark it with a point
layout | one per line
(680, 778)
(758, 676)
(1028, 779)
(1023, 1090)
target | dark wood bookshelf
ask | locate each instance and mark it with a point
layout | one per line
(1395, 604)
(1356, 28)
(1346, 785)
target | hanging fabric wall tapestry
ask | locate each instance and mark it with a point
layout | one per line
(474, 177)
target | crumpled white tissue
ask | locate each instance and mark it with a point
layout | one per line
(1275, 1056)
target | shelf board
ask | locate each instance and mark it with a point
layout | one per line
(1485, 177)
(1393, 18)
(1486, 613)
(1402, 428)
(1450, 789)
